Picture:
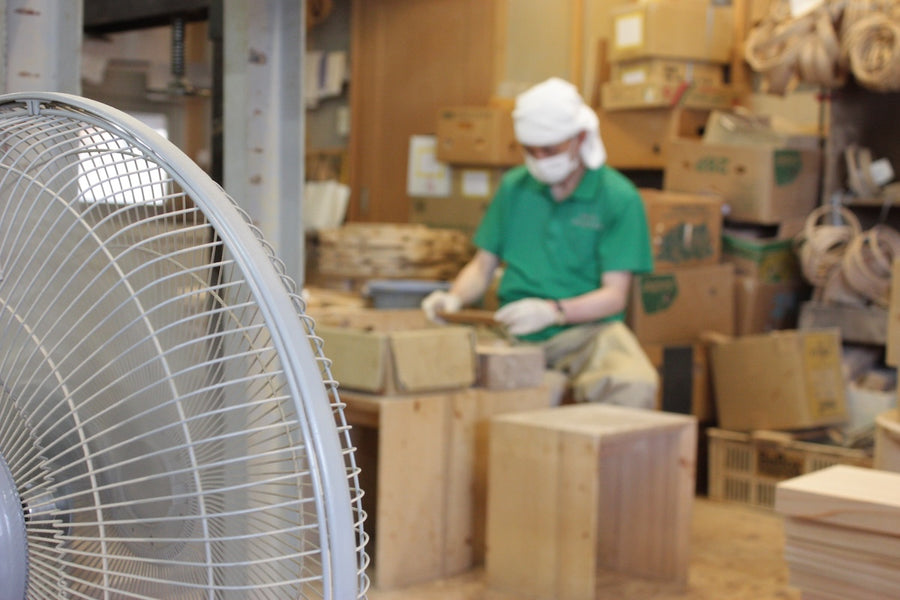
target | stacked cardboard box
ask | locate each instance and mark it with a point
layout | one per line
(688, 293)
(453, 175)
(763, 179)
(768, 286)
(669, 53)
(666, 63)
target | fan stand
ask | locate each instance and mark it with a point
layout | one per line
(13, 547)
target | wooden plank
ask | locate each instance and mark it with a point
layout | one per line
(470, 316)
(523, 467)
(411, 490)
(578, 516)
(856, 497)
(492, 403)
(826, 535)
(460, 500)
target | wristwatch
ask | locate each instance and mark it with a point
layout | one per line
(560, 313)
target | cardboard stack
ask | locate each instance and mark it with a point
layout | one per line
(842, 532)
(689, 292)
(762, 178)
(661, 67)
(768, 287)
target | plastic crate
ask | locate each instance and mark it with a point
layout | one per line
(745, 467)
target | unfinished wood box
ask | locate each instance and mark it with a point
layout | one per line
(423, 461)
(579, 489)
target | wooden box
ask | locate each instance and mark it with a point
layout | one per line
(423, 461)
(396, 351)
(577, 489)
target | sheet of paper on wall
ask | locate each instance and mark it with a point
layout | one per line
(426, 175)
(324, 204)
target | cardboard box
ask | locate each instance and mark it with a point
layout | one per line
(666, 70)
(477, 135)
(770, 260)
(656, 94)
(471, 192)
(762, 306)
(678, 305)
(685, 229)
(396, 351)
(687, 29)
(760, 183)
(463, 214)
(789, 379)
(638, 138)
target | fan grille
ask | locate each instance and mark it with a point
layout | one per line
(149, 405)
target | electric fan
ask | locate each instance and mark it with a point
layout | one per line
(169, 427)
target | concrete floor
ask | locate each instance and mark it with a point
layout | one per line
(736, 554)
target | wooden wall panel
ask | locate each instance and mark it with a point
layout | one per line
(409, 58)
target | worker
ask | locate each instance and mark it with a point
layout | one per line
(567, 232)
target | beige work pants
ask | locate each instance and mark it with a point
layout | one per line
(604, 363)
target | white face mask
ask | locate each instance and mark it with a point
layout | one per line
(551, 169)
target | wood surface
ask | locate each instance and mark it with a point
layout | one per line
(424, 475)
(735, 554)
(581, 489)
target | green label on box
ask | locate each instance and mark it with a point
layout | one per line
(712, 164)
(658, 292)
(788, 165)
(685, 242)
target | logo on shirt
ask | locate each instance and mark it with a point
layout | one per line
(587, 221)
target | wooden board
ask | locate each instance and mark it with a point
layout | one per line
(855, 497)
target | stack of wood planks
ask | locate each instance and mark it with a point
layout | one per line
(842, 532)
(391, 251)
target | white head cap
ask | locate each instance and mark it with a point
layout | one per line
(553, 111)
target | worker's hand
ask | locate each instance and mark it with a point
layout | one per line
(440, 301)
(527, 315)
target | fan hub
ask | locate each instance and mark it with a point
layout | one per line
(13, 544)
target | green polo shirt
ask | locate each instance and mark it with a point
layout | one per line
(561, 249)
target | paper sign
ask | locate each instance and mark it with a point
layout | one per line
(476, 184)
(426, 176)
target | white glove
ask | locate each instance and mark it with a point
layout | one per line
(527, 315)
(440, 301)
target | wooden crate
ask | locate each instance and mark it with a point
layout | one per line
(423, 468)
(577, 489)
(746, 467)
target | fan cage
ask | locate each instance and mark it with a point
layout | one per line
(167, 410)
